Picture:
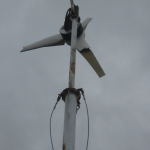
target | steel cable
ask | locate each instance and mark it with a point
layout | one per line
(58, 99)
(82, 91)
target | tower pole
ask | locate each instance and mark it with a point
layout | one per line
(72, 4)
(73, 54)
(71, 97)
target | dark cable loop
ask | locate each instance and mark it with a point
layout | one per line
(50, 130)
(82, 91)
(58, 99)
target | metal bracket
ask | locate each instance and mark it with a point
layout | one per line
(71, 90)
(69, 14)
(76, 10)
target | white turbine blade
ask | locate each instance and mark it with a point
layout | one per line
(89, 56)
(54, 40)
(85, 22)
(81, 43)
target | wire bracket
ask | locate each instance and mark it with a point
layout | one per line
(71, 90)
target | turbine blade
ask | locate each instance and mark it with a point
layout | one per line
(89, 56)
(85, 22)
(81, 43)
(54, 40)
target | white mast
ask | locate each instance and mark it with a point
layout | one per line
(71, 97)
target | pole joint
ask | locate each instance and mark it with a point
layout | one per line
(74, 91)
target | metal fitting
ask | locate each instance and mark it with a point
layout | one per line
(70, 90)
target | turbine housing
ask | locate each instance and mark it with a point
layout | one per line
(67, 34)
(65, 30)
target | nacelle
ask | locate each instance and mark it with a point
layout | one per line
(67, 34)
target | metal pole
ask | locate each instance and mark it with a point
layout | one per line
(73, 54)
(71, 97)
(72, 4)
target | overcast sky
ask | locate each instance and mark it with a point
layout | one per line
(119, 103)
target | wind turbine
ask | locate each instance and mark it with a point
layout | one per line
(73, 34)
(65, 37)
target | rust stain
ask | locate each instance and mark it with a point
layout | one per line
(64, 146)
(73, 67)
(73, 64)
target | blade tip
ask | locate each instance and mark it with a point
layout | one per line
(101, 75)
(21, 51)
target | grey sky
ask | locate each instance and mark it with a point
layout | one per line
(119, 103)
